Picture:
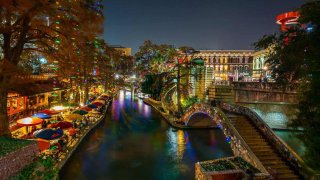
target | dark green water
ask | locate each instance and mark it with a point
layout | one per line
(290, 138)
(134, 142)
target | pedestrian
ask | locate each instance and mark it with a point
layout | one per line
(44, 124)
(63, 142)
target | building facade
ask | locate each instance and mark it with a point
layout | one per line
(260, 66)
(125, 51)
(221, 65)
(227, 64)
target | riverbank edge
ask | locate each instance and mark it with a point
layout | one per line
(71, 152)
(169, 118)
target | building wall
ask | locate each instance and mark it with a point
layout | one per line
(221, 65)
(124, 51)
(227, 64)
(259, 64)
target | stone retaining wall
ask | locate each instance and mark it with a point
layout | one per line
(14, 162)
(292, 158)
(65, 160)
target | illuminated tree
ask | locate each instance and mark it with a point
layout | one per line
(164, 65)
(31, 26)
(295, 59)
(155, 59)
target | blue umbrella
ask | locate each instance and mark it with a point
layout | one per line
(42, 116)
(48, 134)
(92, 106)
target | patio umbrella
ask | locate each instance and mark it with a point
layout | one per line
(85, 108)
(100, 100)
(62, 125)
(98, 103)
(42, 116)
(48, 134)
(30, 121)
(103, 98)
(73, 117)
(79, 111)
(50, 112)
(92, 106)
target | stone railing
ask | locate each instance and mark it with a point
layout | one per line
(221, 83)
(197, 107)
(164, 94)
(42, 77)
(237, 143)
(269, 86)
(285, 151)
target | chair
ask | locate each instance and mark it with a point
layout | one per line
(43, 144)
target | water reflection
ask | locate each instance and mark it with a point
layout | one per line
(290, 138)
(134, 142)
(275, 115)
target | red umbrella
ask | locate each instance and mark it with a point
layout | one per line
(30, 121)
(62, 125)
(85, 108)
(98, 103)
(50, 112)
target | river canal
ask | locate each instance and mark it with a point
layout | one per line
(135, 142)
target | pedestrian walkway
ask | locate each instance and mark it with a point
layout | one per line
(270, 159)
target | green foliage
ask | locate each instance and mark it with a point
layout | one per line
(244, 165)
(294, 58)
(309, 119)
(230, 164)
(153, 58)
(26, 173)
(285, 60)
(189, 101)
(8, 145)
(221, 165)
(153, 85)
(42, 168)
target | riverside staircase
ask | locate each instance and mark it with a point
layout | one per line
(260, 147)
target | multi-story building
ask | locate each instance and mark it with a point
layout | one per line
(222, 65)
(123, 50)
(260, 68)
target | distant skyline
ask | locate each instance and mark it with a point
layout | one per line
(201, 24)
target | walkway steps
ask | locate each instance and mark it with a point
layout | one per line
(261, 148)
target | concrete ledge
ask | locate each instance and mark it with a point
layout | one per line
(70, 153)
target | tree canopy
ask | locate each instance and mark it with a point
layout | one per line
(295, 58)
(57, 30)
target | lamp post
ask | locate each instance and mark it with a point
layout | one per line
(265, 69)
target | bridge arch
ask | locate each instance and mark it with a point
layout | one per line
(198, 108)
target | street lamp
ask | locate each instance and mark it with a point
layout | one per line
(265, 68)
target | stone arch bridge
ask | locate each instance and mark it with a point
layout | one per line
(200, 112)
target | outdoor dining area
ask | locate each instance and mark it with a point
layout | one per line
(59, 127)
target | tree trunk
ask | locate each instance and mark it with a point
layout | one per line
(178, 90)
(105, 84)
(4, 121)
(86, 92)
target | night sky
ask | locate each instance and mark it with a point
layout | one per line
(201, 24)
